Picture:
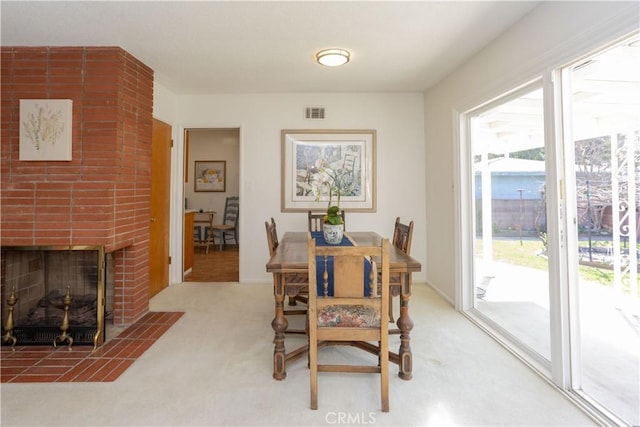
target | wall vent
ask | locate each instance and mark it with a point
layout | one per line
(314, 113)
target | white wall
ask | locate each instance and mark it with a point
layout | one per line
(553, 34)
(398, 119)
(163, 104)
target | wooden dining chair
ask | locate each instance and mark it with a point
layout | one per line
(316, 219)
(296, 284)
(348, 309)
(402, 236)
(229, 227)
(205, 239)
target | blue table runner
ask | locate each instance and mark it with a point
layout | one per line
(319, 238)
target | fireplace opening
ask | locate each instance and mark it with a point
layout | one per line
(53, 295)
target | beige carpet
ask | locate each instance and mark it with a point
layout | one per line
(214, 367)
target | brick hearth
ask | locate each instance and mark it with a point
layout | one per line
(48, 364)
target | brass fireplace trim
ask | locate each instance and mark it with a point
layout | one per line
(98, 338)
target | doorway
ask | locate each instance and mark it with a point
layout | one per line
(216, 150)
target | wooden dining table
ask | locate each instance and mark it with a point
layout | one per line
(291, 257)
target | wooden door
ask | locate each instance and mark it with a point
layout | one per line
(160, 195)
(187, 262)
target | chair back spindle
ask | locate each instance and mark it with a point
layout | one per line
(316, 219)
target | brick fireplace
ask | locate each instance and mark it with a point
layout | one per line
(101, 197)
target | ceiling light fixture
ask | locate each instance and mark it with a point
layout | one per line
(333, 57)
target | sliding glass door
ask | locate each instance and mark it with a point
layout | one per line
(511, 280)
(602, 121)
(552, 227)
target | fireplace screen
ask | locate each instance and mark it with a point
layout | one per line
(53, 295)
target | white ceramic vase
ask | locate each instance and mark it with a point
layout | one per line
(333, 233)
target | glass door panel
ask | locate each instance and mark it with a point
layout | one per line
(604, 115)
(511, 271)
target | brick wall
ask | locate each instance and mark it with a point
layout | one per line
(100, 197)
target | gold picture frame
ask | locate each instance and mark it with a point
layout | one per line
(210, 176)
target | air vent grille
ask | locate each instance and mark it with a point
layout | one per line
(314, 113)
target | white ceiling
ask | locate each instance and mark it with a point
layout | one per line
(198, 47)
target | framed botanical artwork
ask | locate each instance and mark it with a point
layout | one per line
(210, 175)
(45, 129)
(323, 166)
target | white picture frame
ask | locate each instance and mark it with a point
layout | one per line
(46, 129)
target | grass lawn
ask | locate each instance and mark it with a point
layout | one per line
(527, 255)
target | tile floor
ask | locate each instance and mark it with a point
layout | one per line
(44, 364)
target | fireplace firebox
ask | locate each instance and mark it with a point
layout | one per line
(53, 295)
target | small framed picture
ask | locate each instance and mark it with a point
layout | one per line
(45, 129)
(210, 175)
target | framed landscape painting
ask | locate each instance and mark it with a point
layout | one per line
(317, 164)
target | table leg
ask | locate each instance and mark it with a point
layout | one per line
(279, 325)
(405, 324)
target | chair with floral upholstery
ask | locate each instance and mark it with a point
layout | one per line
(345, 307)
